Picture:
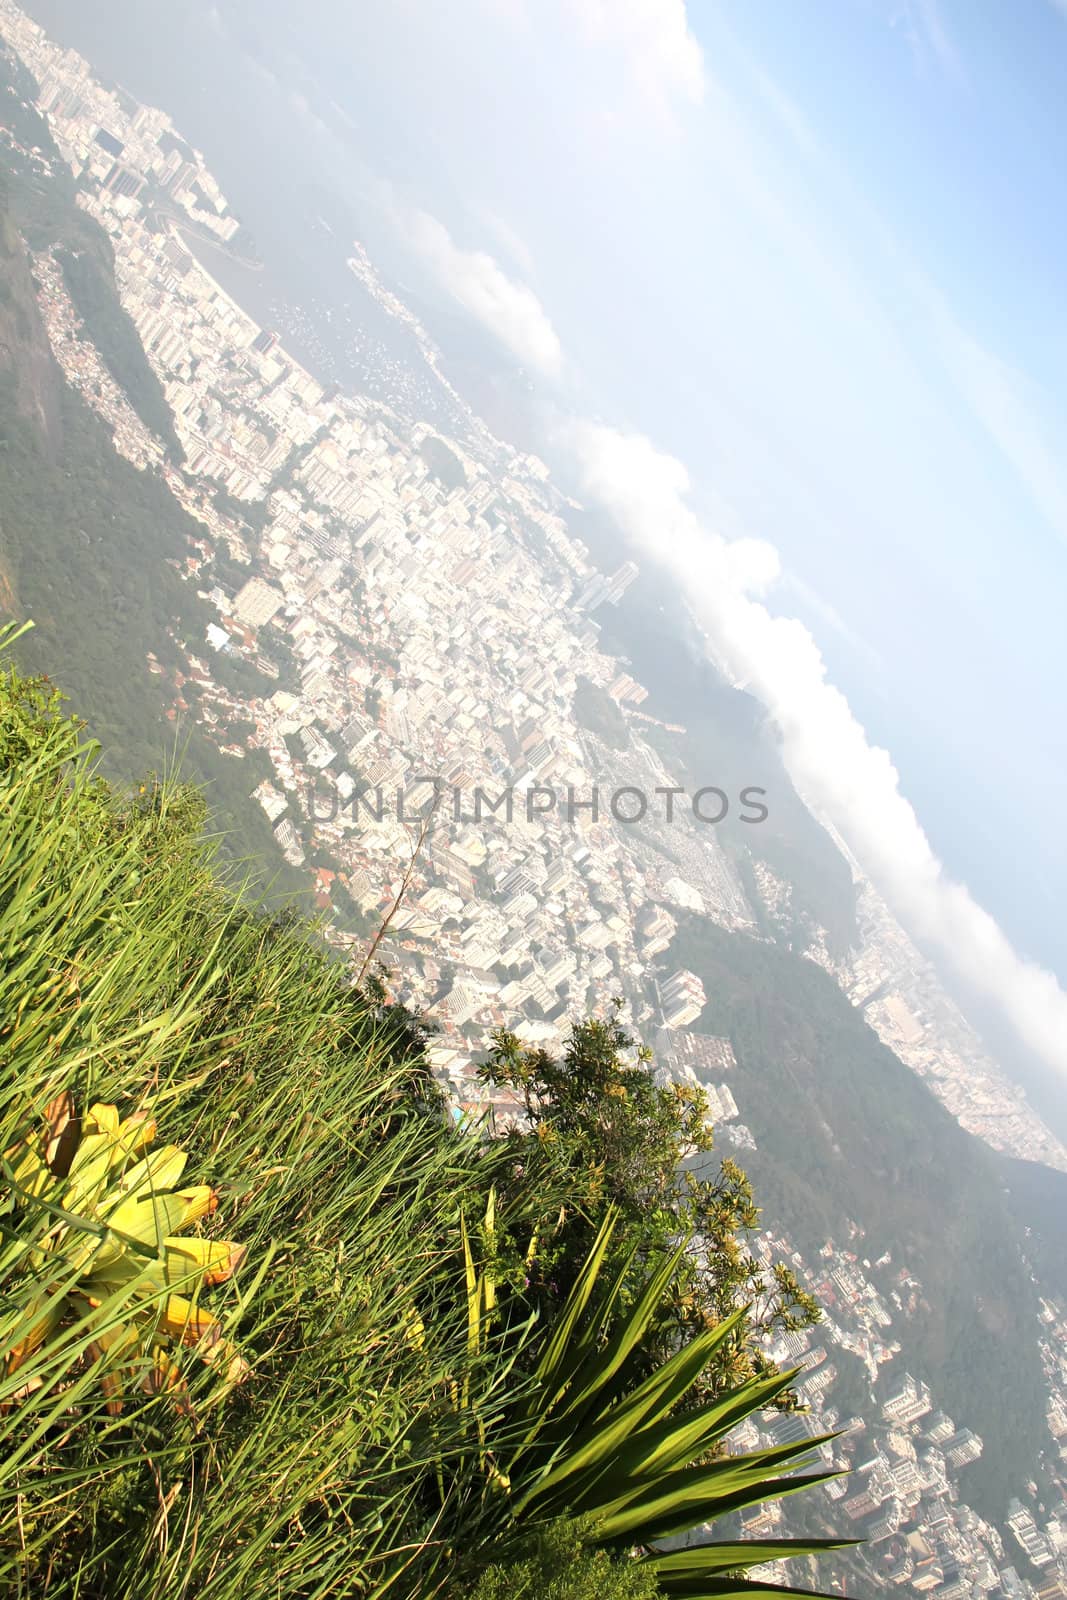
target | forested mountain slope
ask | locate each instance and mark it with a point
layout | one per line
(847, 1133)
(86, 539)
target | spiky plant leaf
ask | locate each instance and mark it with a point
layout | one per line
(625, 1454)
(693, 1566)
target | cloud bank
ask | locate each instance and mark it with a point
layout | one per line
(509, 310)
(826, 750)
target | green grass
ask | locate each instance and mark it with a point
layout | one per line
(358, 1453)
(372, 1439)
(129, 975)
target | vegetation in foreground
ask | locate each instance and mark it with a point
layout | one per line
(363, 1352)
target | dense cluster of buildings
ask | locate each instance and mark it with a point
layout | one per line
(420, 632)
(905, 1490)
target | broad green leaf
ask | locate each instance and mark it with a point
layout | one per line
(695, 1496)
(704, 1560)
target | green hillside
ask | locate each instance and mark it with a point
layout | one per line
(85, 538)
(846, 1132)
(50, 218)
(1037, 1196)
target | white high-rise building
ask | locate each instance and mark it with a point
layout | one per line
(682, 998)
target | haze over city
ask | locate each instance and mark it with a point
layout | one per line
(808, 270)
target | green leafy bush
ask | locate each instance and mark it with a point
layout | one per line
(561, 1565)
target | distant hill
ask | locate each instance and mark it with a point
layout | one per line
(596, 710)
(29, 377)
(49, 216)
(85, 537)
(847, 1132)
(1038, 1198)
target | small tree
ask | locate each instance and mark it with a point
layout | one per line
(602, 1133)
(558, 1564)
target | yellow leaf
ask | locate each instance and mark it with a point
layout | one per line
(47, 1319)
(149, 1219)
(215, 1260)
(200, 1201)
(102, 1119)
(159, 1172)
(184, 1321)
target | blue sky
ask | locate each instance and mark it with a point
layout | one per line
(803, 262)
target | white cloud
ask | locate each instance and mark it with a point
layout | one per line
(509, 310)
(642, 50)
(818, 605)
(827, 752)
(663, 59)
(511, 242)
